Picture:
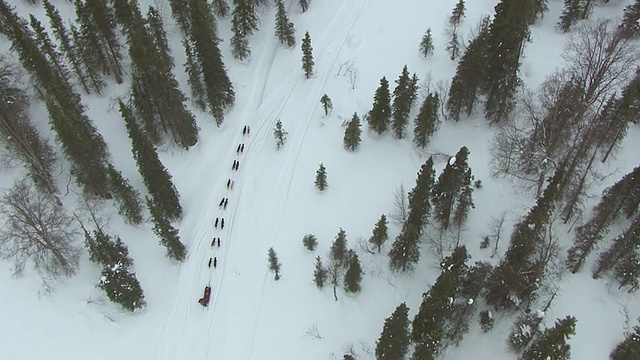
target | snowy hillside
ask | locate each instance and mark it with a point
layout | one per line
(274, 203)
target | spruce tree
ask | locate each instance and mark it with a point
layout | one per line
(217, 85)
(244, 19)
(353, 275)
(622, 257)
(380, 235)
(118, 282)
(508, 33)
(629, 348)
(304, 5)
(155, 176)
(405, 250)
(458, 13)
(452, 192)
(220, 8)
(194, 73)
(467, 82)
(168, 235)
(426, 44)
(68, 47)
(284, 28)
(274, 264)
(608, 210)
(570, 14)
(352, 133)
(453, 47)
(393, 343)
(128, 198)
(159, 35)
(240, 46)
(327, 106)
(307, 56)
(339, 252)
(280, 134)
(321, 178)
(427, 121)
(538, 10)
(552, 343)
(320, 273)
(403, 96)
(630, 26)
(380, 114)
(88, 60)
(310, 242)
(180, 14)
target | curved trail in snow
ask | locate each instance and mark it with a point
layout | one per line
(191, 331)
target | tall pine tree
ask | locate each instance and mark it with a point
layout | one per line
(393, 343)
(380, 114)
(168, 235)
(352, 133)
(427, 121)
(285, 32)
(307, 56)
(403, 97)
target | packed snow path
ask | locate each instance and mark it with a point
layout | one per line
(230, 327)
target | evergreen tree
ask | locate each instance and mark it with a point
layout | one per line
(552, 343)
(570, 14)
(453, 47)
(244, 18)
(352, 133)
(310, 242)
(217, 85)
(622, 257)
(608, 209)
(403, 96)
(515, 280)
(304, 5)
(194, 73)
(353, 275)
(321, 178)
(538, 10)
(220, 8)
(88, 60)
(284, 28)
(274, 264)
(467, 82)
(327, 106)
(168, 235)
(18, 134)
(98, 28)
(458, 13)
(426, 44)
(380, 235)
(128, 198)
(155, 91)
(380, 115)
(307, 56)
(118, 282)
(240, 46)
(280, 134)
(320, 273)
(155, 176)
(630, 26)
(629, 348)
(427, 121)
(159, 36)
(393, 343)
(180, 14)
(339, 252)
(405, 250)
(508, 33)
(69, 49)
(452, 192)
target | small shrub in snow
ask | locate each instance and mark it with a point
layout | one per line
(310, 242)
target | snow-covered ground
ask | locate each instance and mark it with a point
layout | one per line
(274, 204)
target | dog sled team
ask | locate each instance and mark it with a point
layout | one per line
(204, 301)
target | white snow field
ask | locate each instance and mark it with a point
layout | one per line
(274, 204)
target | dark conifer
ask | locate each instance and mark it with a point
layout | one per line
(508, 33)
(285, 32)
(194, 73)
(630, 26)
(403, 96)
(467, 82)
(128, 198)
(244, 20)
(427, 121)
(426, 44)
(552, 343)
(380, 235)
(320, 273)
(154, 174)
(380, 114)
(168, 235)
(393, 343)
(307, 56)
(240, 46)
(159, 35)
(180, 14)
(353, 275)
(274, 264)
(327, 106)
(621, 255)
(570, 14)
(629, 348)
(321, 178)
(458, 13)
(452, 192)
(339, 252)
(352, 133)
(220, 8)
(405, 250)
(304, 5)
(280, 134)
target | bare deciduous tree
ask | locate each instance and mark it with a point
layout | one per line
(400, 206)
(38, 231)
